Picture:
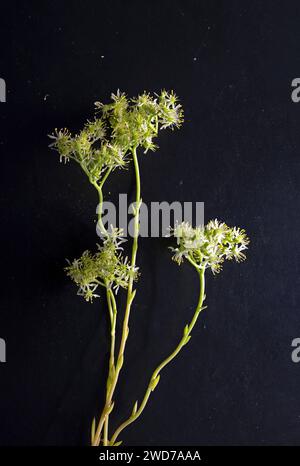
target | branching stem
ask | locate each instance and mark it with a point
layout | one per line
(130, 297)
(155, 376)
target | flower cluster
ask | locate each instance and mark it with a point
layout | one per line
(135, 122)
(107, 267)
(90, 149)
(118, 128)
(208, 246)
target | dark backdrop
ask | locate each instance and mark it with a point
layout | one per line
(231, 63)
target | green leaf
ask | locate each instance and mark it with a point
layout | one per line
(132, 295)
(187, 339)
(93, 428)
(111, 408)
(154, 383)
(120, 362)
(134, 408)
(186, 330)
(117, 444)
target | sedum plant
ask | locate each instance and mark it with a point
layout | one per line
(115, 138)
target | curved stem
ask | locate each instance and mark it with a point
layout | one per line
(155, 376)
(102, 229)
(108, 172)
(108, 407)
(99, 188)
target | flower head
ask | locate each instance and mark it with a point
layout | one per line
(120, 126)
(170, 111)
(208, 246)
(107, 267)
(62, 142)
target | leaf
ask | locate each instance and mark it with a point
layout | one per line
(186, 330)
(120, 362)
(134, 408)
(132, 296)
(111, 408)
(93, 428)
(187, 339)
(117, 444)
(154, 383)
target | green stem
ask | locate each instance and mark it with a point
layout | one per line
(108, 172)
(110, 296)
(103, 230)
(155, 376)
(113, 328)
(113, 319)
(99, 188)
(108, 407)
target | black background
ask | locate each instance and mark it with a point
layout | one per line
(232, 64)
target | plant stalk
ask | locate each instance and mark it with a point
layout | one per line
(155, 376)
(113, 319)
(108, 407)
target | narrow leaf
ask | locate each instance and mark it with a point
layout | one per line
(187, 339)
(93, 428)
(117, 444)
(155, 382)
(134, 408)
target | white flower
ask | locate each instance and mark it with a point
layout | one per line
(208, 246)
